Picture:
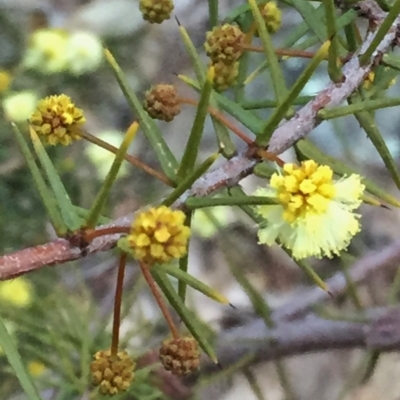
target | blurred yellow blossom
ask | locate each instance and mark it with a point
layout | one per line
(315, 216)
(19, 106)
(84, 52)
(18, 292)
(36, 368)
(46, 51)
(5, 80)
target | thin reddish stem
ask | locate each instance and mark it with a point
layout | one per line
(132, 160)
(152, 285)
(117, 304)
(221, 118)
(89, 236)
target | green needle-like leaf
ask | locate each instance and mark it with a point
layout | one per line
(193, 282)
(10, 350)
(190, 179)
(154, 135)
(193, 145)
(281, 110)
(247, 118)
(41, 185)
(194, 203)
(278, 81)
(70, 217)
(102, 197)
(192, 324)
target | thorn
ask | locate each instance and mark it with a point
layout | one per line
(386, 207)
(231, 305)
(219, 365)
(177, 21)
(330, 294)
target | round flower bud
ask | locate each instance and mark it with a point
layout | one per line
(113, 374)
(159, 235)
(224, 43)
(156, 11)
(180, 356)
(161, 102)
(57, 120)
(272, 16)
(225, 75)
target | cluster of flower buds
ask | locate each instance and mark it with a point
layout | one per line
(156, 11)
(224, 46)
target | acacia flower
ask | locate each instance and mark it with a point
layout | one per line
(57, 120)
(19, 106)
(315, 215)
(158, 235)
(113, 374)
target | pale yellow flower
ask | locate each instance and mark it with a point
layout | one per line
(84, 52)
(46, 51)
(315, 216)
(18, 292)
(18, 107)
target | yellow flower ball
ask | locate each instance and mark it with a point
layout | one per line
(159, 235)
(18, 107)
(57, 120)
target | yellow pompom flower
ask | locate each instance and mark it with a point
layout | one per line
(112, 373)
(17, 292)
(57, 120)
(159, 235)
(315, 215)
(46, 51)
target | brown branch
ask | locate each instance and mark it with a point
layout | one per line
(372, 262)
(312, 334)
(233, 170)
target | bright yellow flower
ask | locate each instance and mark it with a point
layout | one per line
(17, 292)
(158, 235)
(315, 216)
(57, 120)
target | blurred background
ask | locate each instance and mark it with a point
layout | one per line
(60, 316)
